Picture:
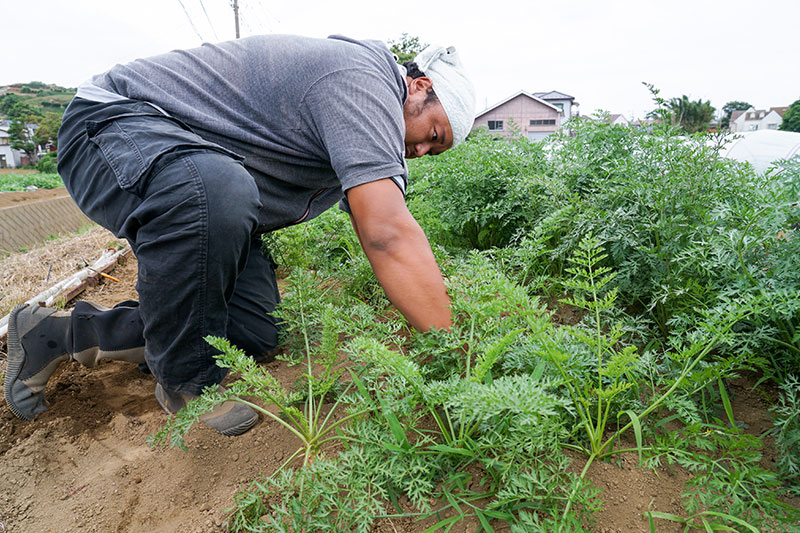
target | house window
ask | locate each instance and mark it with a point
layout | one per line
(495, 125)
(753, 127)
(544, 122)
(560, 106)
(772, 126)
(4, 141)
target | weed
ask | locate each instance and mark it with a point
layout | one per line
(335, 497)
(60, 302)
(85, 227)
(729, 486)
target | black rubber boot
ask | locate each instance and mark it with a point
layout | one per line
(40, 339)
(229, 418)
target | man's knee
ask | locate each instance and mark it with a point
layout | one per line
(259, 342)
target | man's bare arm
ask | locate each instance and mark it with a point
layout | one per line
(400, 254)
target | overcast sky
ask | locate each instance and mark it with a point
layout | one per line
(597, 51)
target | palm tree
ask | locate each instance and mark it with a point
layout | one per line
(691, 116)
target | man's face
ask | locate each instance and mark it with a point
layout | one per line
(427, 127)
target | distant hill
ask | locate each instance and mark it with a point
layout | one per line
(41, 96)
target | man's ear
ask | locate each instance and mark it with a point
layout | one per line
(419, 84)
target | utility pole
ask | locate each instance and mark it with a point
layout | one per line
(236, 15)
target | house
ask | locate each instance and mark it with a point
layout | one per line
(617, 120)
(564, 102)
(757, 119)
(525, 114)
(645, 124)
(9, 158)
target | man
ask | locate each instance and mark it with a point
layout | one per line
(193, 154)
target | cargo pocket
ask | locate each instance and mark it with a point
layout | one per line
(133, 143)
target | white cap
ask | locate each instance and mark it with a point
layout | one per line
(452, 86)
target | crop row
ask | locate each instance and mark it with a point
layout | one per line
(680, 271)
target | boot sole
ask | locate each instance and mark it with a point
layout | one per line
(16, 358)
(235, 431)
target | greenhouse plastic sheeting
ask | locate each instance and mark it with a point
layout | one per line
(762, 148)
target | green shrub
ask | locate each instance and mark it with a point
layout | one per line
(480, 194)
(786, 415)
(48, 163)
(654, 201)
(765, 247)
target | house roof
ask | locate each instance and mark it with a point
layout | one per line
(532, 97)
(553, 95)
(735, 115)
(755, 114)
(758, 114)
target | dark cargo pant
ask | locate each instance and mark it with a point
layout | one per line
(188, 208)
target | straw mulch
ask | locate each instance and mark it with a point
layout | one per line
(26, 274)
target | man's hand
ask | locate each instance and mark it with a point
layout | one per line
(399, 254)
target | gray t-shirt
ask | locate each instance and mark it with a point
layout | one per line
(311, 117)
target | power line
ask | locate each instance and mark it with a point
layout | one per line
(259, 14)
(245, 22)
(246, 19)
(209, 20)
(190, 20)
(264, 11)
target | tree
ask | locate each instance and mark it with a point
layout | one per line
(728, 109)
(21, 138)
(406, 48)
(48, 129)
(691, 116)
(8, 101)
(24, 112)
(791, 119)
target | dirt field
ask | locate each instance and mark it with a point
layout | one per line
(84, 465)
(17, 171)
(8, 199)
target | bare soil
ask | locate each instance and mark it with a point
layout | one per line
(18, 171)
(85, 466)
(10, 199)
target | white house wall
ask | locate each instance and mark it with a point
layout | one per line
(12, 159)
(770, 121)
(567, 106)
